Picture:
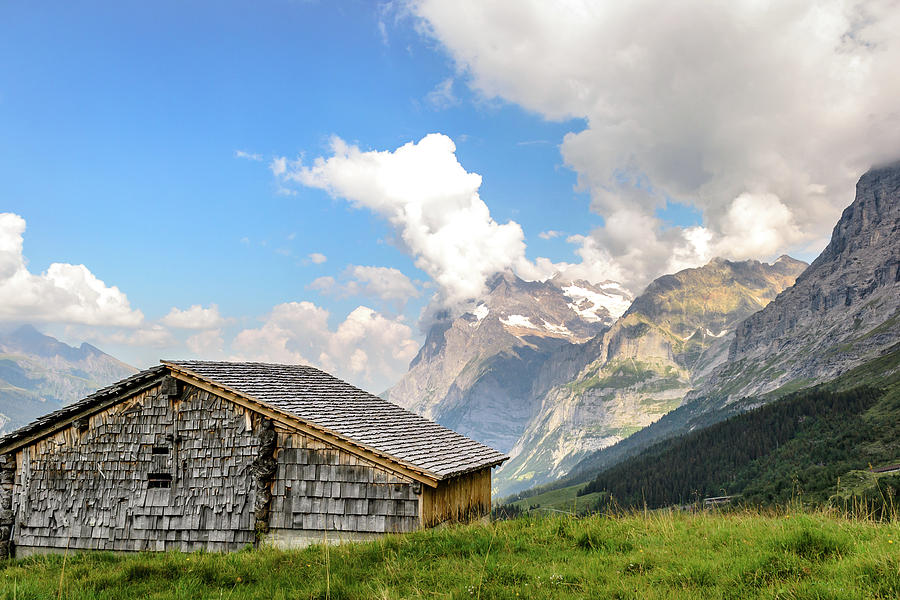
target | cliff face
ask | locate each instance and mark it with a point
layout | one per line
(671, 337)
(39, 374)
(477, 374)
(844, 310)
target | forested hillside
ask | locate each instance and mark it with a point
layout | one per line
(801, 445)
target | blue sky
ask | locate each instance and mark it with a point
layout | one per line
(137, 139)
(120, 127)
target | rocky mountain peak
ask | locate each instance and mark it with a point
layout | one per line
(868, 229)
(643, 366)
(843, 309)
(474, 373)
(28, 340)
(716, 295)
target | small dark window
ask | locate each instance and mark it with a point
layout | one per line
(160, 449)
(159, 480)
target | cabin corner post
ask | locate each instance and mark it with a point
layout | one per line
(263, 469)
(7, 478)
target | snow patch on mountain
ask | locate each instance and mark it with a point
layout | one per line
(560, 329)
(518, 321)
(481, 311)
(591, 305)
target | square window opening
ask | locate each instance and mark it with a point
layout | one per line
(160, 450)
(159, 480)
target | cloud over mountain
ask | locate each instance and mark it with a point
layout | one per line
(430, 200)
(760, 115)
(385, 283)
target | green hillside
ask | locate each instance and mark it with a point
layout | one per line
(801, 444)
(818, 442)
(742, 555)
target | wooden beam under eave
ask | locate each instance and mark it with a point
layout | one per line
(302, 426)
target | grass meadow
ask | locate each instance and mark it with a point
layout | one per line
(742, 554)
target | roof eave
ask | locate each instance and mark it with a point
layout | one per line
(487, 465)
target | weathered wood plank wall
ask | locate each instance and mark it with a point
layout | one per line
(178, 467)
(460, 499)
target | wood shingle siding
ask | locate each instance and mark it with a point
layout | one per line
(320, 489)
(91, 490)
(208, 455)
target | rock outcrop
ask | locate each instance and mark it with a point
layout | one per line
(843, 311)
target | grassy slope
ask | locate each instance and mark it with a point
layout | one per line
(739, 555)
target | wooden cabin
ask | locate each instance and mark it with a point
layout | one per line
(215, 455)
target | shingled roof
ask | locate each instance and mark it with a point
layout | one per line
(327, 402)
(324, 402)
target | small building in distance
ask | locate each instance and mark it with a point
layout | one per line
(217, 455)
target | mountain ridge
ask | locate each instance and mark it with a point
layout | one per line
(843, 310)
(475, 373)
(39, 374)
(841, 315)
(641, 369)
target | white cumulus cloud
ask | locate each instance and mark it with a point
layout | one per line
(738, 108)
(317, 258)
(195, 317)
(431, 201)
(64, 293)
(206, 344)
(756, 225)
(366, 349)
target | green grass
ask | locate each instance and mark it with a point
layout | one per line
(562, 499)
(660, 555)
